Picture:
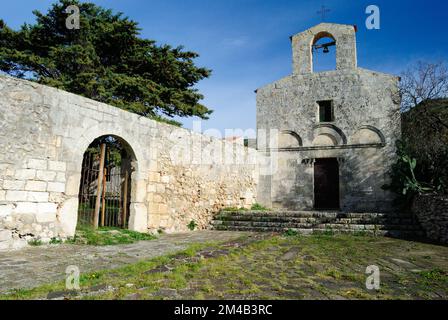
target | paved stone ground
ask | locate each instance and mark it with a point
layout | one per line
(34, 266)
(238, 266)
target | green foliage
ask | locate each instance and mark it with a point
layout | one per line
(255, 207)
(167, 121)
(404, 182)
(291, 233)
(115, 150)
(192, 225)
(35, 243)
(433, 277)
(425, 137)
(422, 165)
(86, 235)
(105, 60)
(435, 274)
(362, 233)
(259, 207)
(328, 232)
(56, 241)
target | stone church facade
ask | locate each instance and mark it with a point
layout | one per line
(336, 130)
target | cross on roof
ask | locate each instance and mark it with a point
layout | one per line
(323, 11)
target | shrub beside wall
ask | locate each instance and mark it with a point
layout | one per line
(432, 213)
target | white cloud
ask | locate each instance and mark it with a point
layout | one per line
(235, 42)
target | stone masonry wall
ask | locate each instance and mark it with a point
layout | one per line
(432, 213)
(179, 175)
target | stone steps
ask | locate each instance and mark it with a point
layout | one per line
(297, 220)
(289, 225)
(379, 224)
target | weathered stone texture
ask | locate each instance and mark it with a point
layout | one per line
(361, 136)
(344, 35)
(432, 213)
(44, 134)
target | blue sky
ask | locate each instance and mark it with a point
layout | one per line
(246, 42)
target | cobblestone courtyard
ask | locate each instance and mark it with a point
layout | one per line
(39, 265)
(232, 265)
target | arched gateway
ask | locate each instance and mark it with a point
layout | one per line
(106, 183)
(50, 177)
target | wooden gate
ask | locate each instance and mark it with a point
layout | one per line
(326, 184)
(104, 194)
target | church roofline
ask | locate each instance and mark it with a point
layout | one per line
(357, 69)
(325, 24)
(380, 73)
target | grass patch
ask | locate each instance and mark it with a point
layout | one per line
(234, 209)
(434, 277)
(255, 207)
(259, 207)
(86, 235)
(55, 241)
(291, 233)
(327, 232)
(35, 243)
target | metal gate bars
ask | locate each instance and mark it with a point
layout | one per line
(105, 186)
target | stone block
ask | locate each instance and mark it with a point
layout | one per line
(139, 218)
(26, 207)
(139, 191)
(5, 235)
(45, 175)
(67, 216)
(6, 210)
(72, 185)
(60, 177)
(151, 188)
(36, 227)
(46, 217)
(154, 221)
(26, 218)
(56, 187)
(13, 184)
(56, 197)
(16, 196)
(38, 196)
(153, 208)
(36, 186)
(153, 166)
(154, 177)
(162, 209)
(37, 164)
(150, 197)
(47, 207)
(25, 174)
(57, 166)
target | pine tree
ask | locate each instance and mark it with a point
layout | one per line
(105, 60)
